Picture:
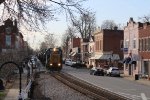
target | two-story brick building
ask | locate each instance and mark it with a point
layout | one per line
(144, 49)
(74, 46)
(108, 47)
(10, 37)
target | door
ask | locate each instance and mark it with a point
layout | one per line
(130, 69)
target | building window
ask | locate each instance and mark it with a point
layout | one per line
(100, 45)
(121, 44)
(126, 44)
(148, 44)
(8, 30)
(134, 43)
(140, 44)
(96, 46)
(144, 44)
(8, 40)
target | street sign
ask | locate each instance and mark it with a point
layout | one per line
(125, 49)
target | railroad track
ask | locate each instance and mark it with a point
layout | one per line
(94, 92)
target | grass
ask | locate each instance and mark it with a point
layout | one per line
(2, 94)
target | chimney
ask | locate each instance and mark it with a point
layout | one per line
(115, 28)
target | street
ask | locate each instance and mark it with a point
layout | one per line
(118, 85)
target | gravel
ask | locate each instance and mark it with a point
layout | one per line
(49, 88)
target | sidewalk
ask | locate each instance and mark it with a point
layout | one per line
(141, 81)
(13, 92)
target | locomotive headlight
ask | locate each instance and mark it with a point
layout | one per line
(51, 64)
(59, 64)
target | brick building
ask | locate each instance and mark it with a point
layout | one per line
(108, 47)
(144, 48)
(74, 44)
(10, 37)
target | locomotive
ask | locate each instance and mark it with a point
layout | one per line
(54, 59)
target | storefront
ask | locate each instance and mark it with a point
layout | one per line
(145, 68)
(105, 60)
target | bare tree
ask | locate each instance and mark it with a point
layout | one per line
(50, 40)
(43, 46)
(145, 18)
(85, 24)
(70, 33)
(33, 13)
(108, 24)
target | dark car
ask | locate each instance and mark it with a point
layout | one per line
(79, 65)
(98, 72)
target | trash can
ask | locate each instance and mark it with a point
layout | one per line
(136, 77)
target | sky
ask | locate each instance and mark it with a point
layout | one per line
(117, 10)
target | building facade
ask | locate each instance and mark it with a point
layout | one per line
(131, 48)
(108, 47)
(10, 38)
(74, 46)
(84, 50)
(91, 50)
(144, 49)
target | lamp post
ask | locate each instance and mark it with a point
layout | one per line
(109, 62)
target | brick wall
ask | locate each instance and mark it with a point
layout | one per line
(144, 33)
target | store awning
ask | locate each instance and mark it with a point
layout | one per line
(96, 57)
(73, 53)
(106, 57)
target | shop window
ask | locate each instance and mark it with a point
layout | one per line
(134, 64)
(126, 66)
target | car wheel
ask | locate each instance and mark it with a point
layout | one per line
(110, 74)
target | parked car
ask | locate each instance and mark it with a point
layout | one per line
(69, 62)
(113, 71)
(78, 65)
(97, 71)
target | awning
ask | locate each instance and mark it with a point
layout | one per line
(96, 57)
(115, 57)
(73, 53)
(92, 58)
(106, 57)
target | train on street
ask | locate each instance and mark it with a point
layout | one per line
(54, 59)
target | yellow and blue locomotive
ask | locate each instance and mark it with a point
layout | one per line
(54, 59)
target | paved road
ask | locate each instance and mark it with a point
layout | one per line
(118, 85)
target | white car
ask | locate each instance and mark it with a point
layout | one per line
(113, 71)
(69, 62)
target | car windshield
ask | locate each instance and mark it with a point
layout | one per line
(115, 69)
